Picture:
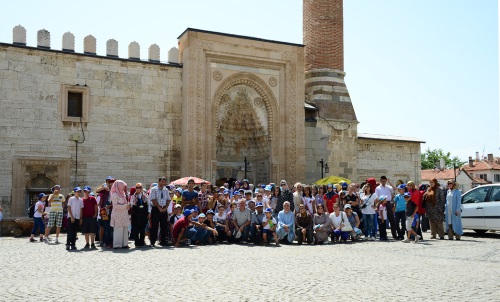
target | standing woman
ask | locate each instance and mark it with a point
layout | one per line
(453, 212)
(435, 208)
(308, 200)
(368, 209)
(320, 196)
(139, 203)
(119, 216)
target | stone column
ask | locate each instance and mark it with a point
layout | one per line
(154, 53)
(112, 48)
(19, 35)
(43, 38)
(89, 45)
(324, 82)
(173, 55)
(134, 51)
(68, 42)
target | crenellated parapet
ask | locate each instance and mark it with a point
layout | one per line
(90, 46)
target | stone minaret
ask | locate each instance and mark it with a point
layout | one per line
(324, 83)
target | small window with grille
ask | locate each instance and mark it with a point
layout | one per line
(75, 103)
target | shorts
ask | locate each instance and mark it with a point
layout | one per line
(89, 225)
(409, 222)
(268, 231)
(55, 218)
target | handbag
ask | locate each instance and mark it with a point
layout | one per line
(347, 227)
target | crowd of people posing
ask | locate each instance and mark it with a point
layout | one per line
(204, 214)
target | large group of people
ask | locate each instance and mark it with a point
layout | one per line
(245, 213)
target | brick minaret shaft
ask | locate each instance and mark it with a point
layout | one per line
(324, 34)
(325, 87)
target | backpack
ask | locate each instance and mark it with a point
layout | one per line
(31, 211)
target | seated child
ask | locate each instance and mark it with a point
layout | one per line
(269, 224)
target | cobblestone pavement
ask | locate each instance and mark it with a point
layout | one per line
(433, 270)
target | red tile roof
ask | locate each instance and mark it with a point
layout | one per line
(483, 165)
(437, 174)
(478, 180)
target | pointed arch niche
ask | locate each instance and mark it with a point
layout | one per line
(244, 126)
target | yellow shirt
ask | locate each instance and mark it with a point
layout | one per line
(56, 203)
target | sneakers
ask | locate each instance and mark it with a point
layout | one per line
(67, 247)
(87, 246)
(73, 247)
(46, 240)
(93, 246)
(372, 238)
(417, 238)
(32, 240)
(41, 239)
(57, 240)
(406, 240)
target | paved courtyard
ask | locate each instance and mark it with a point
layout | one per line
(466, 270)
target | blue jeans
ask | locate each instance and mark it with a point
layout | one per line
(343, 235)
(108, 232)
(190, 233)
(201, 235)
(369, 222)
(38, 224)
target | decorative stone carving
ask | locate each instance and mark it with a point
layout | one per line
(154, 53)
(134, 51)
(43, 38)
(112, 48)
(19, 35)
(173, 55)
(68, 42)
(89, 45)
(273, 81)
(217, 75)
(258, 102)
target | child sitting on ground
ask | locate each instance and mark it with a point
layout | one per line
(269, 224)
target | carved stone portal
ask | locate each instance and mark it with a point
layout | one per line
(242, 132)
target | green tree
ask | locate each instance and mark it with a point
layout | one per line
(430, 159)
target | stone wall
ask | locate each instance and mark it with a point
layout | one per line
(133, 123)
(396, 159)
(316, 148)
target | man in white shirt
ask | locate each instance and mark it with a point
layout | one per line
(75, 208)
(385, 189)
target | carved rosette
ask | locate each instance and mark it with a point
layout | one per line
(217, 75)
(273, 81)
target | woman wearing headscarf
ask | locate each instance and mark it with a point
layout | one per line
(285, 195)
(139, 217)
(321, 225)
(330, 198)
(435, 208)
(453, 211)
(119, 217)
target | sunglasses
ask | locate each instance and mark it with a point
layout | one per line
(283, 185)
(138, 187)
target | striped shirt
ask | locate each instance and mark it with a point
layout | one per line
(56, 203)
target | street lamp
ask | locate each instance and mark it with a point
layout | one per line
(247, 166)
(324, 167)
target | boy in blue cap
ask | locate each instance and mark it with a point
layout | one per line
(269, 224)
(75, 206)
(411, 218)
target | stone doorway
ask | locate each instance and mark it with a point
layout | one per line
(243, 131)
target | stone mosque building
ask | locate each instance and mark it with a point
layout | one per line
(73, 118)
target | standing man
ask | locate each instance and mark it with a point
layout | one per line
(385, 189)
(75, 211)
(203, 198)
(56, 200)
(160, 198)
(190, 196)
